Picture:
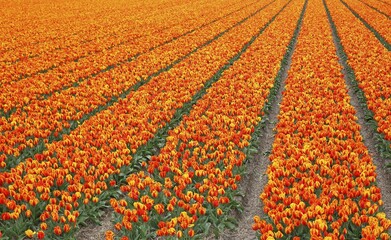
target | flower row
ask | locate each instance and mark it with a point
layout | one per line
(66, 67)
(380, 6)
(377, 21)
(322, 181)
(56, 29)
(370, 61)
(48, 118)
(188, 189)
(65, 183)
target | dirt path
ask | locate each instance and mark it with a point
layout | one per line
(97, 232)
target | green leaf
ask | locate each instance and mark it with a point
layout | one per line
(230, 225)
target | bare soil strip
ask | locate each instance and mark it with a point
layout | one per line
(97, 232)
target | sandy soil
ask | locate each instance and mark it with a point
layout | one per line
(97, 232)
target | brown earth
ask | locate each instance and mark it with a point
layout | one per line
(97, 232)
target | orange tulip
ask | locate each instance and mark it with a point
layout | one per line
(57, 230)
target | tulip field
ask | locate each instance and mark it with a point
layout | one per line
(152, 110)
